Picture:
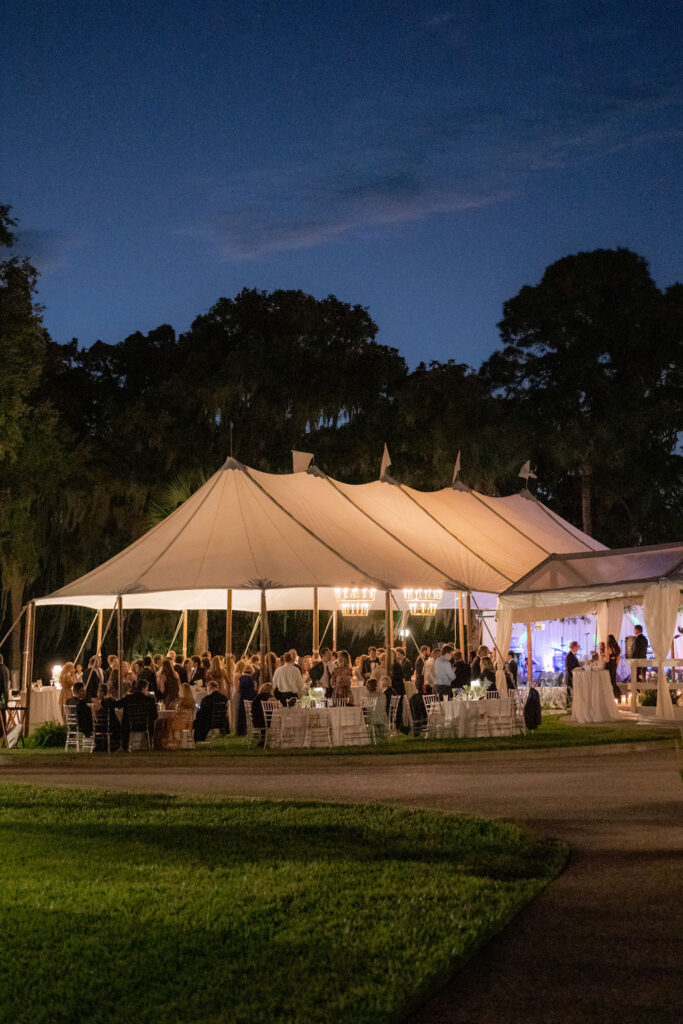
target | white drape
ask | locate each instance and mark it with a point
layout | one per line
(660, 611)
(609, 616)
(503, 636)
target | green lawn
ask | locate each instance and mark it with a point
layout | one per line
(123, 907)
(554, 732)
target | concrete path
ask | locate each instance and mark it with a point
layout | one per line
(601, 944)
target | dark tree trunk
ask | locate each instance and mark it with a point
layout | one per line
(16, 602)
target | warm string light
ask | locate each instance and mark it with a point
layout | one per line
(423, 602)
(355, 600)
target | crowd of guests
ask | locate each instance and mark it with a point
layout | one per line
(205, 691)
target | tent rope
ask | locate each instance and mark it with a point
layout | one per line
(177, 630)
(85, 638)
(14, 625)
(252, 635)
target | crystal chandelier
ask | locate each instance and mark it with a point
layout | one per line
(355, 600)
(423, 602)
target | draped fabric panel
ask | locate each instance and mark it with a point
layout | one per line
(660, 611)
(609, 614)
(503, 637)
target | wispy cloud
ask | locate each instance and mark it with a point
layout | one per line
(47, 250)
(435, 148)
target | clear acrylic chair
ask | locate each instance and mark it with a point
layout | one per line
(75, 739)
(139, 738)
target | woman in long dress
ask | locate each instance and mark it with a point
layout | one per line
(246, 691)
(67, 678)
(613, 652)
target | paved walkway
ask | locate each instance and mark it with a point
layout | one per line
(601, 944)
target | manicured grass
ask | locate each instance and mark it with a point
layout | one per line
(123, 907)
(554, 732)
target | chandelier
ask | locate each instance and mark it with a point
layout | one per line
(423, 602)
(355, 600)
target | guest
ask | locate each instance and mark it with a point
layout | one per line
(215, 701)
(342, 691)
(197, 674)
(398, 672)
(179, 667)
(83, 713)
(94, 677)
(258, 717)
(444, 676)
(461, 670)
(487, 673)
(341, 676)
(142, 707)
(613, 651)
(512, 668)
(640, 646)
(184, 711)
(288, 683)
(218, 675)
(387, 691)
(429, 668)
(247, 691)
(149, 676)
(571, 663)
(370, 662)
(169, 683)
(475, 666)
(66, 681)
(377, 709)
(111, 676)
(321, 672)
(420, 665)
(106, 721)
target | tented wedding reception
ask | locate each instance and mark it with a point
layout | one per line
(520, 591)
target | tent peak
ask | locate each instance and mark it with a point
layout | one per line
(316, 471)
(457, 485)
(231, 463)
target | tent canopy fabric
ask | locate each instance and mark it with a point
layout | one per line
(569, 584)
(246, 530)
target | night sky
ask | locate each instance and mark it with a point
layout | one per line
(423, 159)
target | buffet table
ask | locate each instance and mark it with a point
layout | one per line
(45, 707)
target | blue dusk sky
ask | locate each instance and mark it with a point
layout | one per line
(423, 159)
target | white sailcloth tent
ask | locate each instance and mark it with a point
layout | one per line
(246, 532)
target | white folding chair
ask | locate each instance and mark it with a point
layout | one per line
(273, 722)
(318, 728)
(253, 734)
(393, 712)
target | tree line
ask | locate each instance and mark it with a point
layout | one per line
(586, 382)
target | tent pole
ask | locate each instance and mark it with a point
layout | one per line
(316, 623)
(27, 666)
(388, 630)
(119, 640)
(263, 637)
(100, 618)
(334, 630)
(466, 630)
(529, 655)
(456, 616)
(185, 635)
(228, 623)
(461, 622)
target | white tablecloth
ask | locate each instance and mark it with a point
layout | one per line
(592, 697)
(462, 718)
(45, 707)
(293, 732)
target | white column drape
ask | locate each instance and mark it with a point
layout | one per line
(660, 611)
(503, 636)
(609, 615)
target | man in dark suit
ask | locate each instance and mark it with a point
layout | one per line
(640, 645)
(196, 672)
(369, 662)
(180, 669)
(83, 713)
(215, 701)
(147, 675)
(94, 677)
(139, 712)
(571, 663)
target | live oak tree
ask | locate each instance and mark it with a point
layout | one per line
(590, 362)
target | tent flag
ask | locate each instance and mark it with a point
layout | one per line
(301, 461)
(525, 471)
(456, 469)
(386, 462)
